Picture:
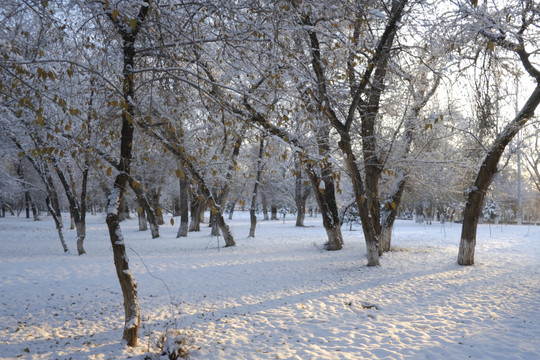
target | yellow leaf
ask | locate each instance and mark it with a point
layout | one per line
(180, 174)
(172, 221)
(109, 171)
(139, 210)
(491, 45)
(115, 14)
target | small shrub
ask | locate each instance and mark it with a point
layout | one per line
(174, 345)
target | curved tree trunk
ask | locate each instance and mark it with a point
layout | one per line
(473, 207)
(225, 231)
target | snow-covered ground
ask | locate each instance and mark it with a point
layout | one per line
(278, 296)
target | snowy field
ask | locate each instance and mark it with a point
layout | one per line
(278, 296)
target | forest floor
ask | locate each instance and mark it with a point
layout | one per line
(276, 296)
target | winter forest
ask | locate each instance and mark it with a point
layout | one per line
(214, 124)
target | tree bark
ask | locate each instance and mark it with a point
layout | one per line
(225, 231)
(195, 221)
(264, 206)
(123, 213)
(327, 203)
(155, 196)
(141, 215)
(301, 193)
(273, 212)
(77, 206)
(232, 207)
(370, 234)
(27, 203)
(184, 210)
(473, 207)
(57, 217)
(258, 176)
(389, 214)
(128, 32)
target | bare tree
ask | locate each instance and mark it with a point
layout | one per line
(488, 169)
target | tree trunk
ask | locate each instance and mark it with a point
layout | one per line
(370, 235)
(225, 231)
(147, 213)
(195, 223)
(273, 211)
(213, 223)
(473, 207)
(72, 221)
(301, 213)
(124, 210)
(141, 215)
(54, 208)
(264, 206)
(81, 223)
(258, 176)
(57, 217)
(27, 203)
(184, 210)
(252, 222)
(77, 208)
(176, 206)
(126, 279)
(232, 207)
(327, 203)
(155, 196)
(301, 193)
(35, 211)
(389, 213)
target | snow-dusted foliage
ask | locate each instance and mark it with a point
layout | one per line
(491, 211)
